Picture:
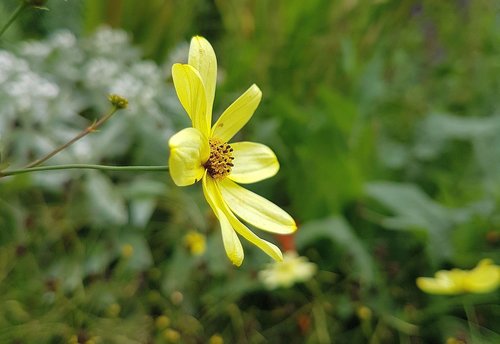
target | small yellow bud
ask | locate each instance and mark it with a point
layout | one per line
(364, 313)
(118, 101)
(162, 322)
(195, 242)
(127, 250)
(216, 339)
(171, 335)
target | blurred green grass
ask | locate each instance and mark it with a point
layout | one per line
(384, 115)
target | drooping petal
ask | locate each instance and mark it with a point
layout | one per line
(202, 58)
(191, 93)
(189, 150)
(255, 209)
(272, 250)
(253, 162)
(231, 242)
(237, 114)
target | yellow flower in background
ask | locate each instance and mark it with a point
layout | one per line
(195, 242)
(286, 273)
(484, 278)
(203, 153)
(216, 339)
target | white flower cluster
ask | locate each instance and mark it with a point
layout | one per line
(52, 89)
(22, 89)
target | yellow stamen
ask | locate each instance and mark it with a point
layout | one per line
(220, 162)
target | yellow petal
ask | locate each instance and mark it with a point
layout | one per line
(255, 209)
(232, 243)
(189, 150)
(202, 58)
(191, 92)
(483, 278)
(433, 286)
(237, 114)
(444, 283)
(253, 162)
(272, 250)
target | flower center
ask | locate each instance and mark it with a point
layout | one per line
(220, 162)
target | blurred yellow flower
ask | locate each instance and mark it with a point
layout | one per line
(364, 313)
(195, 242)
(203, 153)
(171, 335)
(291, 270)
(127, 250)
(484, 278)
(453, 340)
(216, 339)
(162, 322)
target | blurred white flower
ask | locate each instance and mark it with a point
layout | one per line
(22, 89)
(140, 85)
(63, 39)
(292, 269)
(10, 65)
(35, 49)
(107, 41)
(101, 71)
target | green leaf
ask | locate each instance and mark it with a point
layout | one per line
(338, 230)
(106, 204)
(413, 210)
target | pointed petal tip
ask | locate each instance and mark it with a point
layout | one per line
(279, 257)
(235, 259)
(198, 37)
(256, 88)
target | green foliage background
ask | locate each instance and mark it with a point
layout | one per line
(385, 118)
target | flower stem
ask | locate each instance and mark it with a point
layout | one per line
(84, 166)
(14, 16)
(85, 132)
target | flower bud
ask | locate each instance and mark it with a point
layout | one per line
(118, 101)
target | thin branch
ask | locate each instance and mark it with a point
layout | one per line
(14, 16)
(85, 132)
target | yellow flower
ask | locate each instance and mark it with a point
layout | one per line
(485, 277)
(203, 153)
(284, 274)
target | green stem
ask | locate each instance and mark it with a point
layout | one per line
(13, 17)
(85, 166)
(471, 320)
(85, 132)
